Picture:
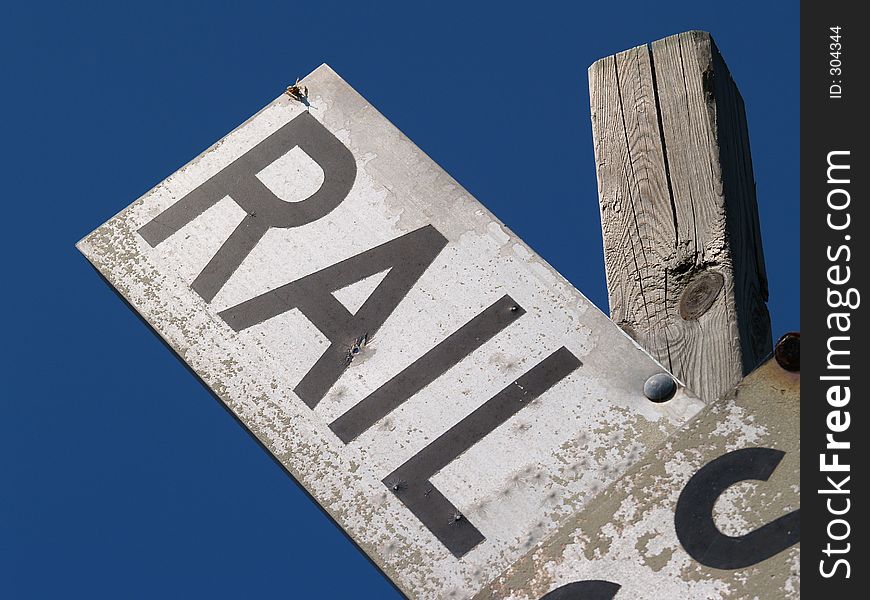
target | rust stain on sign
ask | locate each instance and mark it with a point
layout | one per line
(439, 389)
(713, 513)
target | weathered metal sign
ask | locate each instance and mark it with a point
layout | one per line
(713, 513)
(443, 393)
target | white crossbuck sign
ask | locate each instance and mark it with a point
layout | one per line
(439, 389)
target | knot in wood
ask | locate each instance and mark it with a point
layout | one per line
(700, 294)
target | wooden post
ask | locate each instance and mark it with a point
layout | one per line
(682, 245)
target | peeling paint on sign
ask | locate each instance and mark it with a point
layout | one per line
(668, 530)
(439, 389)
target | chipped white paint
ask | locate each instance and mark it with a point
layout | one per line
(627, 535)
(519, 482)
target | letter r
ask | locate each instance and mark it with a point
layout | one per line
(264, 209)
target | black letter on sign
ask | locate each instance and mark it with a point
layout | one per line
(693, 518)
(584, 590)
(239, 181)
(426, 369)
(407, 257)
(410, 482)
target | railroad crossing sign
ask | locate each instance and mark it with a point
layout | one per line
(713, 513)
(440, 390)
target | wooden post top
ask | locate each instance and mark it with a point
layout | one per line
(682, 244)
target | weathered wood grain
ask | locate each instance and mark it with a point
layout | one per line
(682, 245)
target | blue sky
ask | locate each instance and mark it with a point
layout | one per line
(111, 489)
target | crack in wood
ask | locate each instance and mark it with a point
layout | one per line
(671, 146)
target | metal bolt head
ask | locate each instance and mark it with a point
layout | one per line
(788, 351)
(660, 387)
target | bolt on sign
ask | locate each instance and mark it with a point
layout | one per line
(440, 390)
(713, 513)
